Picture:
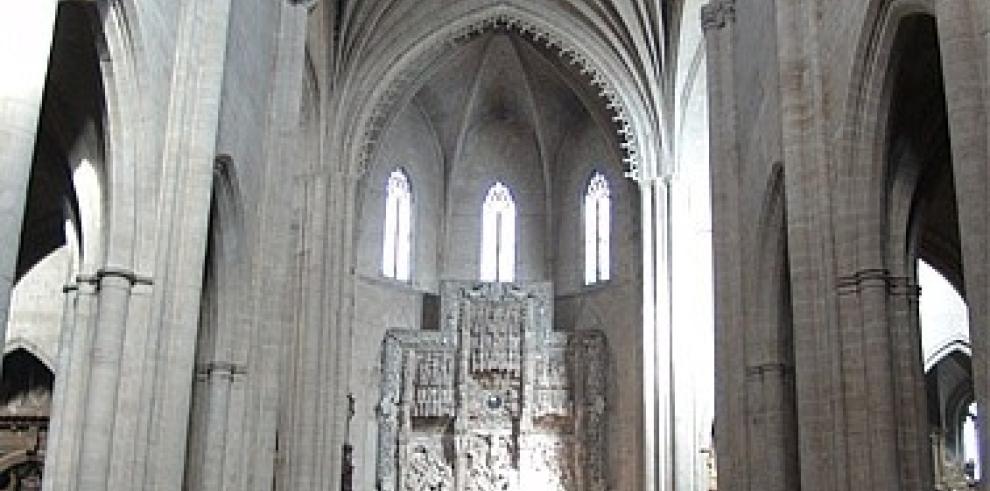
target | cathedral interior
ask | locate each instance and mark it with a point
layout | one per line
(494, 245)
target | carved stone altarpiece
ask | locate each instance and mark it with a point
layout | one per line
(494, 399)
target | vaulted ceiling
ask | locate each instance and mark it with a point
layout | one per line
(373, 56)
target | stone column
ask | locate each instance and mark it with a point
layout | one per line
(968, 108)
(71, 377)
(303, 435)
(188, 156)
(663, 332)
(54, 444)
(275, 259)
(104, 377)
(717, 20)
(650, 430)
(825, 458)
(219, 378)
(25, 43)
(913, 439)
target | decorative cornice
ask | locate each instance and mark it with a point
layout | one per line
(717, 14)
(546, 35)
(126, 274)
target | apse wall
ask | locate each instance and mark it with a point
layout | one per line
(499, 111)
(612, 306)
(410, 146)
(382, 303)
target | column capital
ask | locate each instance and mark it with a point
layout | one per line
(717, 13)
(118, 272)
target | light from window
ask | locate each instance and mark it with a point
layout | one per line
(971, 449)
(597, 224)
(398, 213)
(498, 235)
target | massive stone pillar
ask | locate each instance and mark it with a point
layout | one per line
(25, 43)
(275, 258)
(963, 37)
(730, 336)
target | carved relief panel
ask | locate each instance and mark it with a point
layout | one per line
(494, 399)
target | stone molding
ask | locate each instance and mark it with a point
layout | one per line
(221, 368)
(96, 278)
(877, 278)
(765, 368)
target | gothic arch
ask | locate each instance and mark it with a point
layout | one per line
(395, 83)
(128, 225)
(887, 179)
(771, 400)
(31, 348)
(865, 174)
(224, 339)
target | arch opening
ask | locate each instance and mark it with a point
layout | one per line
(500, 117)
(923, 242)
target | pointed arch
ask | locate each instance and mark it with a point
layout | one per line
(498, 235)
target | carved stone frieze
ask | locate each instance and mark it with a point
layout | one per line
(494, 399)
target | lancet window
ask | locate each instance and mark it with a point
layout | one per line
(498, 235)
(597, 227)
(397, 239)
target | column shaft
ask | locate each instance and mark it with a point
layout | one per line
(101, 401)
(69, 395)
(218, 387)
(650, 435)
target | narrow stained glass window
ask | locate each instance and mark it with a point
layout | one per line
(396, 243)
(498, 235)
(597, 225)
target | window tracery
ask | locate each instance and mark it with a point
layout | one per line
(597, 228)
(498, 235)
